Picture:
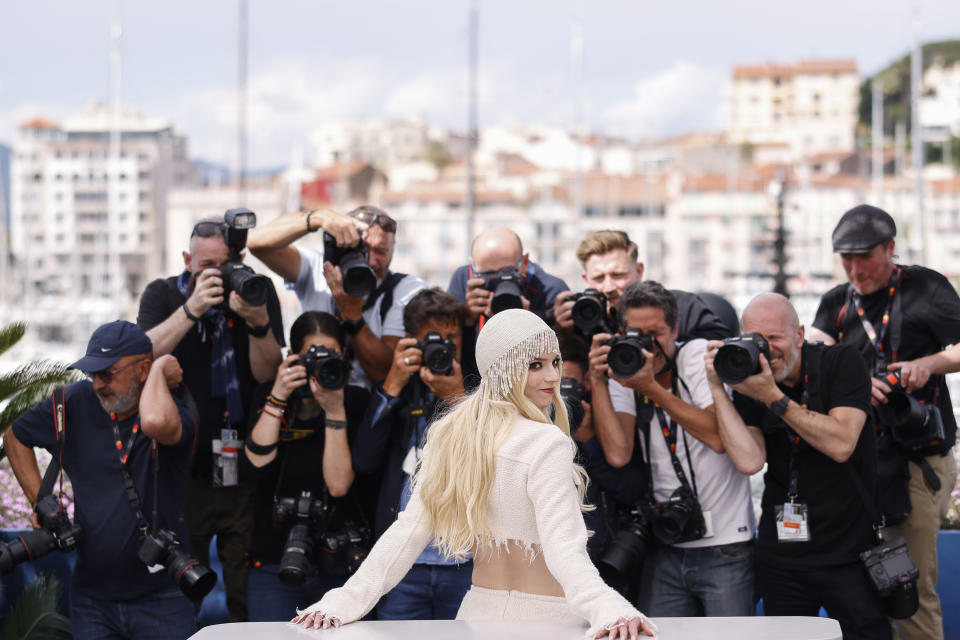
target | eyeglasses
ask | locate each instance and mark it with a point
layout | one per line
(206, 229)
(372, 215)
(107, 375)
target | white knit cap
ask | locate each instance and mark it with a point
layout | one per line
(507, 344)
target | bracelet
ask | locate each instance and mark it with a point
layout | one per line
(336, 424)
(261, 449)
(309, 213)
(190, 316)
(270, 410)
(277, 402)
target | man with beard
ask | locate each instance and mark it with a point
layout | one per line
(805, 415)
(113, 423)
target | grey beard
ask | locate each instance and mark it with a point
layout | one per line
(788, 366)
(122, 404)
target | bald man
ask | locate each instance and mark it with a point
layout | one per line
(494, 249)
(805, 415)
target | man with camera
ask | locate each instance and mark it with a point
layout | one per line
(424, 379)
(499, 276)
(351, 278)
(697, 519)
(610, 264)
(900, 318)
(223, 324)
(125, 441)
(802, 408)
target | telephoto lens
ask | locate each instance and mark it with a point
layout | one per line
(507, 287)
(250, 286)
(27, 547)
(359, 280)
(163, 548)
(295, 561)
(739, 358)
(623, 558)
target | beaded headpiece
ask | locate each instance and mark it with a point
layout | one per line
(507, 344)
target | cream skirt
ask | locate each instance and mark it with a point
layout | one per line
(499, 604)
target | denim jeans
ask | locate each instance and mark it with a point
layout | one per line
(706, 581)
(270, 600)
(427, 592)
(163, 615)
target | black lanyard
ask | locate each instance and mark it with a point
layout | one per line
(793, 489)
(876, 339)
(669, 431)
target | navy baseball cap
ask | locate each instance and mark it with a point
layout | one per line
(110, 342)
(862, 228)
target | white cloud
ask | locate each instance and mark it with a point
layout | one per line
(685, 97)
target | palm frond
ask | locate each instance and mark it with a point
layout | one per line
(33, 374)
(34, 616)
(10, 335)
(30, 396)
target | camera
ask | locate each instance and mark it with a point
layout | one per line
(572, 393)
(679, 519)
(622, 560)
(342, 550)
(589, 314)
(237, 276)
(164, 549)
(507, 287)
(626, 357)
(437, 353)
(913, 425)
(359, 280)
(893, 574)
(326, 366)
(55, 532)
(739, 358)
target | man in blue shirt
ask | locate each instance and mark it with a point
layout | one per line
(110, 424)
(391, 437)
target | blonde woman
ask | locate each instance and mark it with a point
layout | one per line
(497, 480)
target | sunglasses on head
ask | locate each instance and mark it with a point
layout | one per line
(378, 218)
(207, 229)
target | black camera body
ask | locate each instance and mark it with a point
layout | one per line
(572, 393)
(739, 357)
(236, 276)
(438, 353)
(342, 551)
(626, 357)
(913, 425)
(893, 574)
(589, 314)
(679, 519)
(624, 556)
(56, 532)
(163, 548)
(507, 286)
(326, 366)
(359, 280)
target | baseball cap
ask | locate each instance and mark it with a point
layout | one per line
(110, 342)
(862, 228)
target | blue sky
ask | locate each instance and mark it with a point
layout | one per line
(649, 68)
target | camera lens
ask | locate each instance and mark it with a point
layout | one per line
(904, 601)
(332, 373)
(735, 363)
(194, 579)
(295, 561)
(625, 358)
(438, 358)
(587, 311)
(28, 546)
(624, 557)
(572, 393)
(358, 278)
(506, 296)
(670, 523)
(902, 410)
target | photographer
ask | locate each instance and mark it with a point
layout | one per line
(700, 513)
(226, 345)
(374, 320)
(899, 318)
(804, 415)
(500, 276)
(304, 419)
(610, 264)
(128, 401)
(424, 379)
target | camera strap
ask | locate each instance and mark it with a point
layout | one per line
(129, 488)
(669, 431)
(55, 468)
(385, 289)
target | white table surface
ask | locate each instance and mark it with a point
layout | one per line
(759, 628)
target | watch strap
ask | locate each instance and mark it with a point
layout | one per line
(258, 332)
(779, 407)
(353, 327)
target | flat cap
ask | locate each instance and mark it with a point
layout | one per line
(862, 228)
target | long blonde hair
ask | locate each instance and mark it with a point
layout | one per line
(457, 471)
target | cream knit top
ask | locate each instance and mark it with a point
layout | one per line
(533, 500)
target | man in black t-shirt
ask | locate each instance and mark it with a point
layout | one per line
(226, 348)
(804, 415)
(112, 594)
(909, 314)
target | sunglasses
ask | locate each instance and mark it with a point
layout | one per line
(107, 375)
(378, 218)
(207, 229)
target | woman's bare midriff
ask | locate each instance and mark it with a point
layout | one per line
(496, 568)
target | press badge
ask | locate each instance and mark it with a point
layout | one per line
(226, 450)
(792, 525)
(411, 460)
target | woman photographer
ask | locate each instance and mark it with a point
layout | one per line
(497, 479)
(297, 423)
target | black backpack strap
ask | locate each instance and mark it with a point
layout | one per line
(386, 288)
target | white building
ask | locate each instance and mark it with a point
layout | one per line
(383, 143)
(810, 106)
(940, 103)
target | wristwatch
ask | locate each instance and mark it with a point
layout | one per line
(258, 332)
(779, 407)
(353, 327)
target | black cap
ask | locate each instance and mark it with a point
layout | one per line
(110, 342)
(862, 228)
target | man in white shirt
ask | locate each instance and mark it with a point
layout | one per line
(698, 509)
